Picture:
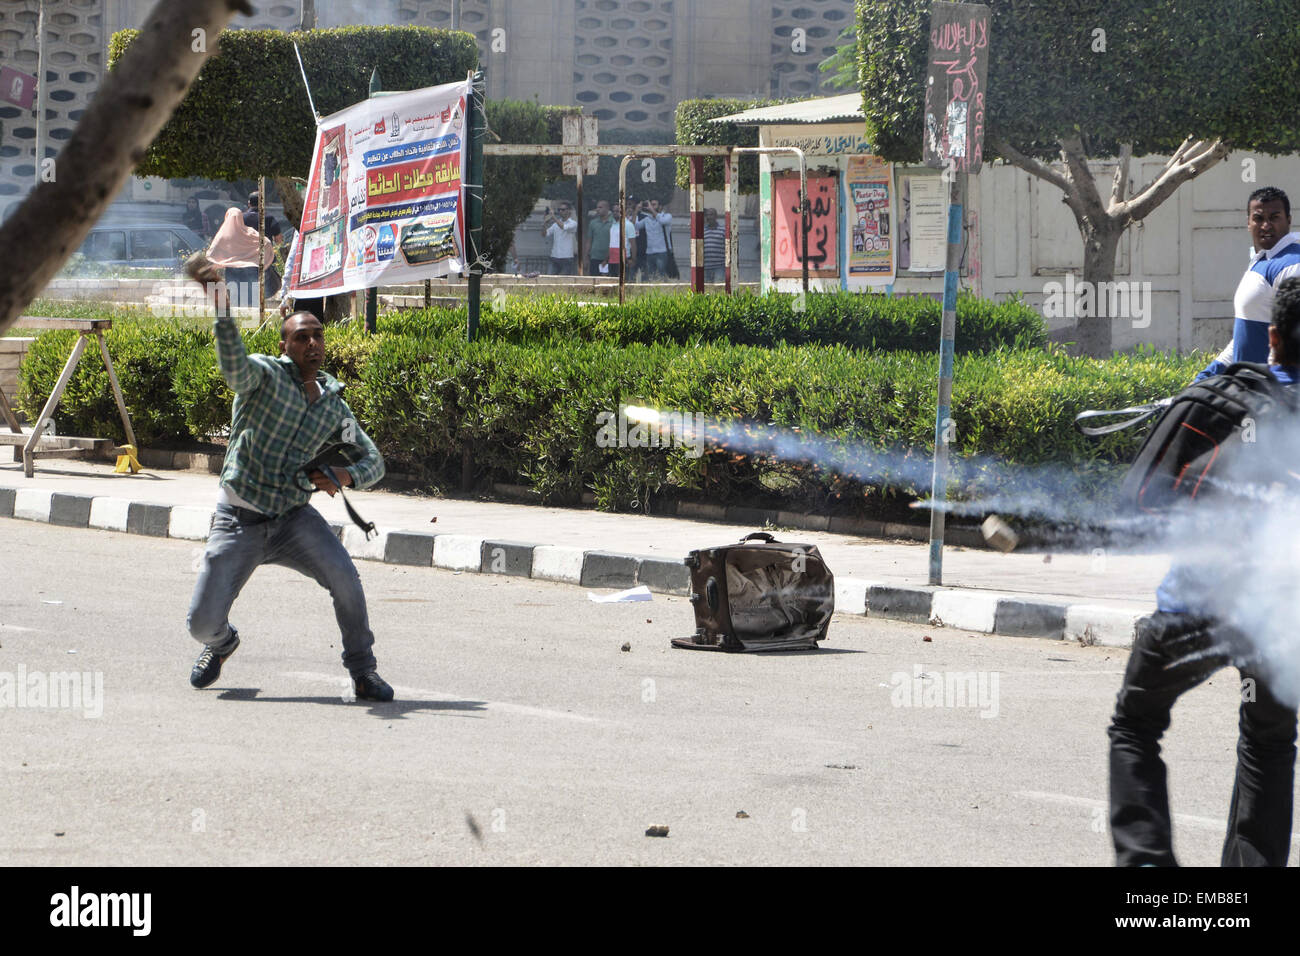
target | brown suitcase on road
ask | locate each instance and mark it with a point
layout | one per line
(759, 595)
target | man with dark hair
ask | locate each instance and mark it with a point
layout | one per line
(1275, 256)
(285, 412)
(1192, 634)
(273, 232)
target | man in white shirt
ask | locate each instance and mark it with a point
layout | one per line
(562, 230)
(655, 224)
(618, 249)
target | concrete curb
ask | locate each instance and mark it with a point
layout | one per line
(981, 611)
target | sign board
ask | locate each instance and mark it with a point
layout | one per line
(580, 131)
(823, 233)
(383, 200)
(956, 71)
(17, 88)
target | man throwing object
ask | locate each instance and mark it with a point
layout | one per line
(285, 412)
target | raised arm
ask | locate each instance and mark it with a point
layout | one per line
(241, 373)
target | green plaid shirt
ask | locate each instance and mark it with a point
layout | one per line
(274, 431)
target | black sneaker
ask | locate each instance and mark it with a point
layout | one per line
(370, 686)
(208, 667)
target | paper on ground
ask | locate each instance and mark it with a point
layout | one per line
(641, 593)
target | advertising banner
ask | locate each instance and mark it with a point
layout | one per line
(383, 199)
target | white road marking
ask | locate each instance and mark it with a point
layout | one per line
(15, 627)
(1182, 819)
(424, 693)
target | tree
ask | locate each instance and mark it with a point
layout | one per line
(1193, 79)
(842, 65)
(694, 129)
(132, 104)
(247, 113)
(512, 184)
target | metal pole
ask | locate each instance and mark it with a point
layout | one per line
(697, 223)
(805, 217)
(372, 294)
(476, 124)
(40, 91)
(622, 223)
(728, 262)
(943, 416)
(582, 215)
(261, 258)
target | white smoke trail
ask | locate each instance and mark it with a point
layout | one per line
(1239, 544)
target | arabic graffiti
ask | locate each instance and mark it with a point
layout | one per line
(823, 232)
(955, 86)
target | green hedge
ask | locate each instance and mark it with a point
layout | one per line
(858, 321)
(528, 413)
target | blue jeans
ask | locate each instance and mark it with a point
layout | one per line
(240, 540)
(715, 273)
(656, 264)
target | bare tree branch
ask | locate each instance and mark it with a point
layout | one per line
(1120, 182)
(132, 105)
(1141, 205)
(1029, 165)
(1188, 145)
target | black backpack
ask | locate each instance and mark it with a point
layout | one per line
(1199, 442)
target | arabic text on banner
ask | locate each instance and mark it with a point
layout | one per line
(383, 200)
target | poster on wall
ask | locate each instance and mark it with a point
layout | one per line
(823, 233)
(927, 223)
(871, 247)
(383, 198)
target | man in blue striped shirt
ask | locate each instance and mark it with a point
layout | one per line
(1276, 256)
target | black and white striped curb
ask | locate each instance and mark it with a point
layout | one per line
(964, 609)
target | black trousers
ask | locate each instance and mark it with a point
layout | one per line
(1259, 817)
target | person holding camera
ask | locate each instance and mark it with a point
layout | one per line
(562, 230)
(286, 412)
(653, 224)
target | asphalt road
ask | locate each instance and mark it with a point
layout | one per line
(523, 733)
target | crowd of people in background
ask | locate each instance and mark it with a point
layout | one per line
(636, 240)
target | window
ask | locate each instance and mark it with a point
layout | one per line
(152, 244)
(105, 246)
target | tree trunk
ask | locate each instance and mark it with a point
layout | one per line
(1100, 244)
(290, 199)
(133, 103)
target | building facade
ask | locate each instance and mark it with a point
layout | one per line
(627, 62)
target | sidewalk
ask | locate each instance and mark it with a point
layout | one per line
(1096, 598)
